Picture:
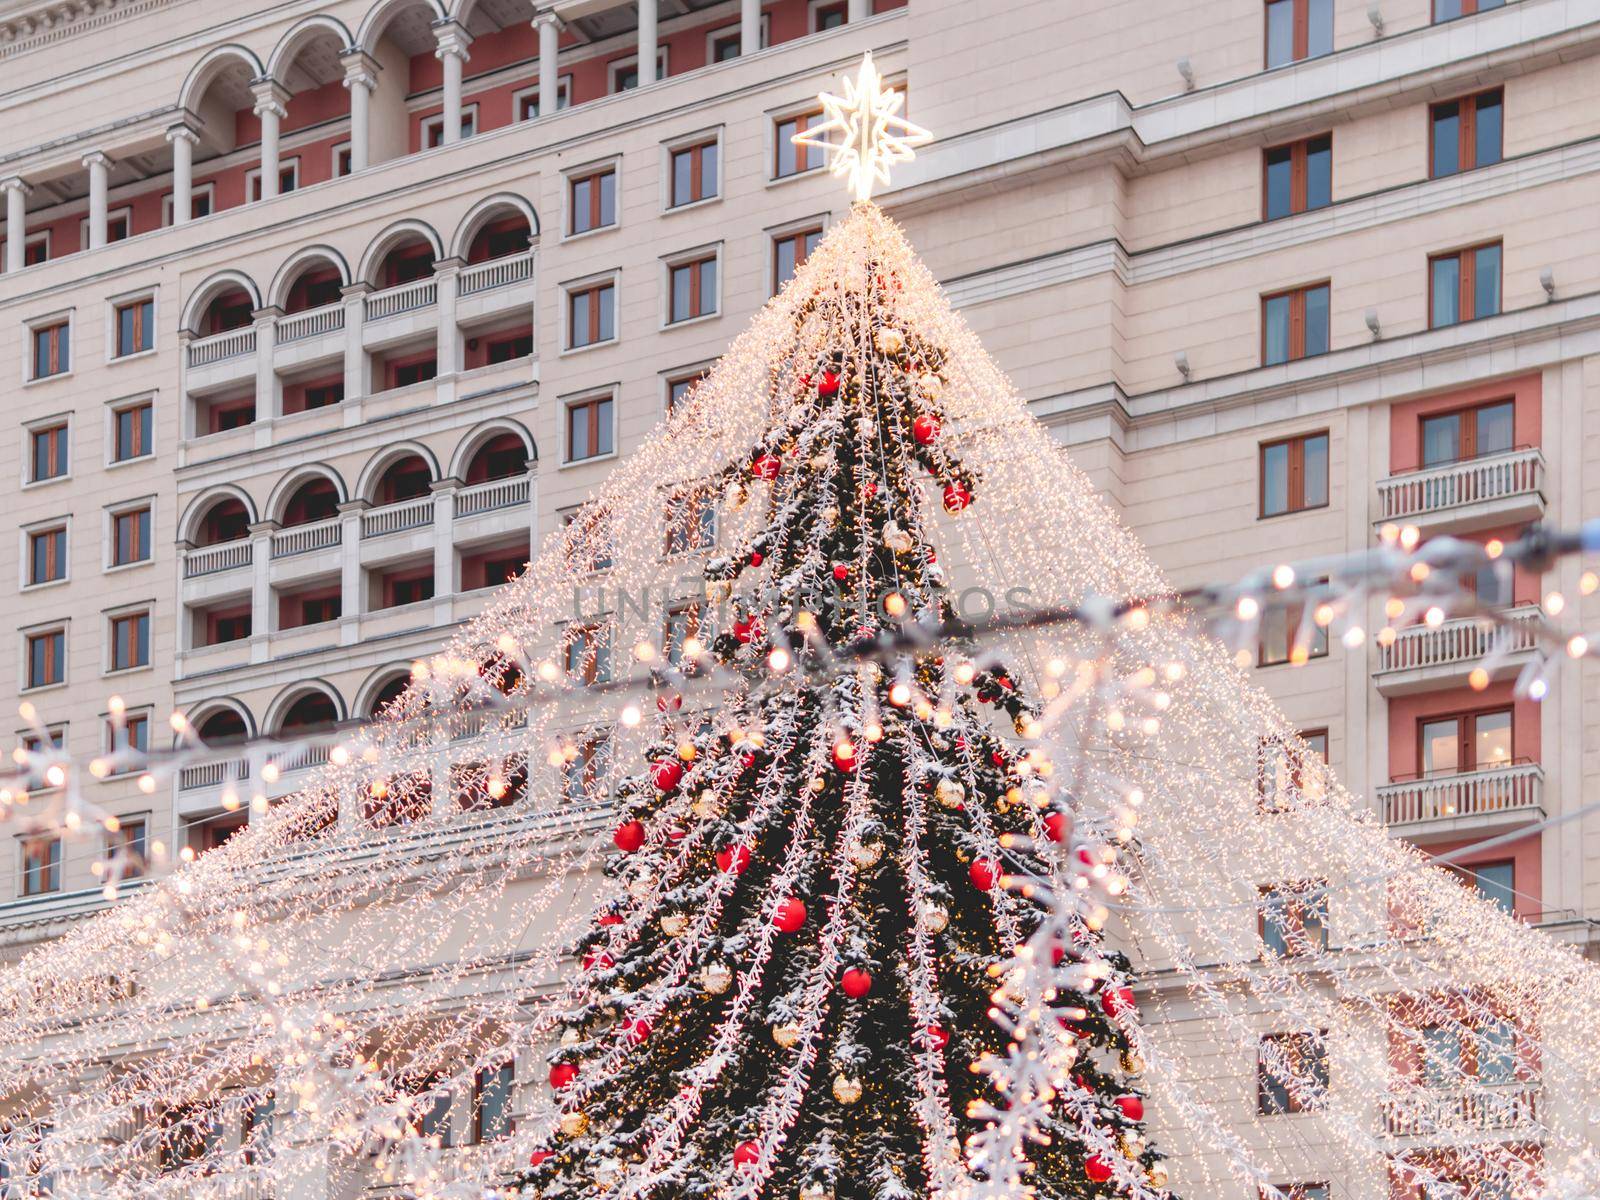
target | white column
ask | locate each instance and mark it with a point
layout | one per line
(648, 42)
(271, 108)
(452, 52)
(549, 26)
(262, 618)
(16, 223)
(447, 278)
(183, 141)
(350, 571)
(269, 397)
(355, 352)
(858, 10)
(99, 167)
(360, 78)
(749, 26)
(444, 546)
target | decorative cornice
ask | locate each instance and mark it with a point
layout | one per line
(35, 25)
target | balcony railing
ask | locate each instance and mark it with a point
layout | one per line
(405, 298)
(497, 493)
(1489, 792)
(208, 560)
(1465, 640)
(212, 774)
(1493, 477)
(302, 539)
(304, 760)
(207, 350)
(497, 272)
(298, 326)
(397, 518)
(1480, 1110)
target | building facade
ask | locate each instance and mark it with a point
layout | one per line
(320, 317)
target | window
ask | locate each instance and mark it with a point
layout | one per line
(130, 641)
(678, 387)
(1449, 10)
(724, 45)
(1466, 133)
(1301, 1191)
(625, 72)
(433, 127)
(136, 327)
(586, 767)
(324, 395)
(130, 536)
(1495, 1052)
(256, 1128)
(288, 179)
(1294, 919)
(589, 432)
(491, 1102)
(47, 555)
(201, 200)
(1298, 177)
(596, 540)
(691, 522)
(1294, 324)
(52, 346)
(343, 161)
(508, 349)
(1473, 741)
(132, 432)
(228, 627)
(1468, 433)
(408, 589)
(1283, 637)
(47, 452)
(593, 201)
(1291, 1073)
(789, 250)
(131, 734)
(1464, 285)
(407, 373)
(1298, 29)
(683, 626)
(1285, 771)
(314, 610)
(47, 658)
(126, 846)
(1294, 474)
(1495, 882)
(41, 865)
(831, 15)
(694, 173)
(788, 158)
(588, 654)
(692, 288)
(591, 315)
(527, 100)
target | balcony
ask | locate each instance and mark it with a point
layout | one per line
(1477, 493)
(210, 560)
(1506, 1111)
(312, 323)
(1424, 657)
(397, 518)
(304, 539)
(495, 494)
(221, 360)
(1469, 802)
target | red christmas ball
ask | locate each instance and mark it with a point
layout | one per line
(1098, 1169)
(956, 498)
(636, 1031)
(745, 1154)
(562, 1075)
(756, 558)
(676, 835)
(733, 858)
(841, 571)
(629, 836)
(748, 629)
(1057, 826)
(856, 983)
(1116, 1001)
(537, 1157)
(828, 385)
(598, 960)
(666, 773)
(669, 702)
(766, 466)
(937, 1037)
(1131, 1107)
(790, 915)
(925, 429)
(844, 756)
(610, 919)
(997, 758)
(984, 873)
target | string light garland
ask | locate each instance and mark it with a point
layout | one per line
(431, 906)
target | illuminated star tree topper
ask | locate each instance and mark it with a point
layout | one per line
(862, 131)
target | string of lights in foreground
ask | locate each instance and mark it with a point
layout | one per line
(400, 925)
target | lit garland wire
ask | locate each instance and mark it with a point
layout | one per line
(395, 922)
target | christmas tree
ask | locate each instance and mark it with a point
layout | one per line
(792, 994)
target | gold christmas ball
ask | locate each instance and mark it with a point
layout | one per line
(786, 1035)
(735, 496)
(867, 854)
(930, 385)
(1132, 1063)
(574, 1124)
(716, 978)
(640, 889)
(1158, 1174)
(718, 590)
(816, 1191)
(933, 918)
(571, 1037)
(846, 1090)
(949, 793)
(673, 924)
(705, 805)
(891, 341)
(830, 514)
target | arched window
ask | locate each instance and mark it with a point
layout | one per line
(315, 500)
(404, 479)
(501, 457)
(226, 521)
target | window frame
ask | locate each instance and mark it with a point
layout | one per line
(252, 180)
(585, 174)
(1318, 1041)
(1466, 735)
(196, 190)
(597, 664)
(806, 111)
(1296, 443)
(508, 1071)
(590, 399)
(1299, 915)
(59, 424)
(592, 286)
(673, 377)
(1469, 431)
(788, 231)
(1299, 176)
(1466, 282)
(723, 32)
(52, 629)
(1466, 131)
(53, 322)
(143, 717)
(426, 126)
(114, 309)
(1469, 8)
(1273, 751)
(115, 410)
(619, 65)
(694, 261)
(115, 620)
(1300, 35)
(694, 144)
(113, 215)
(51, 869)
(1297, 297)
(49, 526)
(814, 14)
(563, 97)
(125, 508)
(1294, 616)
